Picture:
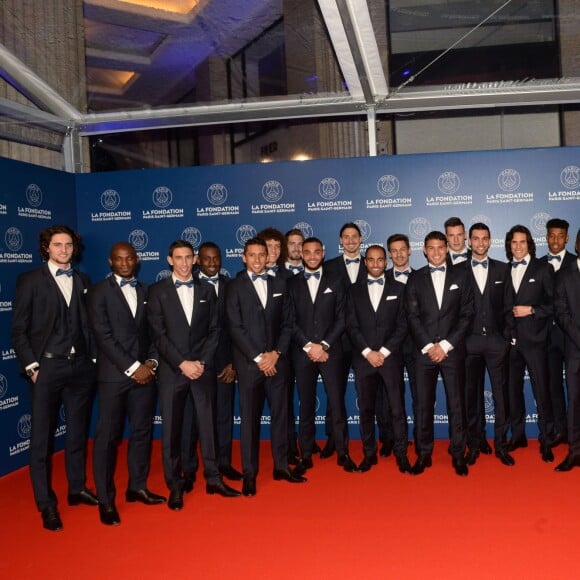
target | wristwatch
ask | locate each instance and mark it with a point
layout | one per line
(30, 372)
(325, 346)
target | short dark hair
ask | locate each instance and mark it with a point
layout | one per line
(557, 223)
(578, 242)
(350, 225)
(479, 226)
(180, 244)
(376, 247)
(519, 229)
(398, 238)
(46, 235)
(294, 232)
(274, 234)
(312, 240)
(435, 235)
(208, 245)
(453, 222)
(255, 241)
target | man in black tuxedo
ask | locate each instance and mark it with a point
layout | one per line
(350, 269)
(276, 260)
(318, 301)
(560, 259)
(259, 319)
(487, 346)
(51, 338)
(377, 327)
(567, 305)
(183, 316)
(456, 238)
(532, 288)
(126, 364)
(439, 304)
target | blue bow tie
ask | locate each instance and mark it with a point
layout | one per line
(436, 269)
(516, 264)
(132, 282)
(211, 279)
(403, 273)
(308, 275)
(476, 263)
(68, 272)
(179, 283)
(263, 276)
(273, 268)
(373, 281)
(455, 256)
(292, 268)
(352, 261)
(552, 257)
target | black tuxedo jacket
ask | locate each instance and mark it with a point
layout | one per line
(36, 304)
(498, 292)
(253, 328)
(537, 290)
(322, 320)
(567, 306)
(569, 260)
(337, 267)
(176, 339)
(387, 327)
(121, 338)
(427, 322)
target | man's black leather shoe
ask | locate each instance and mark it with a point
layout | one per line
(558, 439)
(175, 500)
(367, 463)
(460, 466)
(404, 465)
(287, 475)
(505, 458)
(387, 448)
(188, 482)
(249, 487)
(485, 447)
(230, 473)
(303, 466)
(472, 456)
(144, 496)
(222, 489)
(421, 464)
(328, 450)
(546, 453)
(109, 514)
(51, 520)
(347, 463)
(85, 496)
(569, 463)
(516, 444)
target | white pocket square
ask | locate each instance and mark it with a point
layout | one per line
(531, 280)
(498, 282)
(453, 287)
(276, 295)
(328, 291)
(201, 301)
(84, 290)
(391, 297)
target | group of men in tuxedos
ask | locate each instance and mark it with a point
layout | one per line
(291, 317)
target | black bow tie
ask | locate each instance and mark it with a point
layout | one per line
(308, 275)
(552, 257)
(263, 276)
(293, 268)
(179, 283)
(516, 264)
(403, 273)
(375, 280)
(68, 272)
(352, 261)
(211, 279)
(132, 282)
(436, 269)
(476, 263)
(455, 256)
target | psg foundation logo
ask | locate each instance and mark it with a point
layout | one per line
(34, 195)
(138, 239)
(217, 194)
(162, 197)
(110, 200)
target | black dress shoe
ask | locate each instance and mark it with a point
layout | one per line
(222, 489)
(460, 466)
(347, 463)
(175, 500)
(546, 453)
(109, 514)
(472, 456)
(387, 448)
(505, 458)
(423, 461)
(404, 465)
(367, 463)
(230, 473)
(249, 487)
(328, 450)
(516, 444)
(303, 466)
(188, 482)
(84, 496)
(558, 439)
(287, 475)
(485, 447)
(569, 463)
(315, 449)
(144, 496)
(50, 519)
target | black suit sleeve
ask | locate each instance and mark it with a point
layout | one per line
(21, 319)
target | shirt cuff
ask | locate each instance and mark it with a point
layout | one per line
(31, 366)
(426, 348)
(385, 351)
(258, 358)
(366, 351)
(129, 372)
(446, 346)
(307, 347)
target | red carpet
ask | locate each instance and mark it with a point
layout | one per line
(499, 522)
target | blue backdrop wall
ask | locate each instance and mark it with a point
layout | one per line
(412, 194)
